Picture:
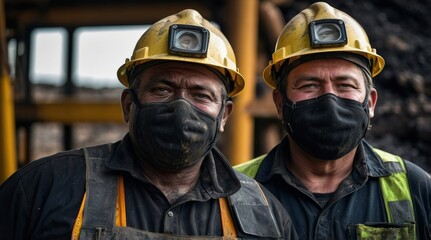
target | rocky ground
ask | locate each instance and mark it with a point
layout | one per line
(400, 31)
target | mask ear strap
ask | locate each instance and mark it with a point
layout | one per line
(368, 89)
(366, 100)
(135, 98)
(220, 116)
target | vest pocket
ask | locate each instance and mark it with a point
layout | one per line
(384, 231)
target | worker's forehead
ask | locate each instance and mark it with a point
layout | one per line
(181, 67)
(329, 63)
(180, 72)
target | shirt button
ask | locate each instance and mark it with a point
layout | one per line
(170, 214)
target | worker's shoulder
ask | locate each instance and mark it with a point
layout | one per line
(59, 168)
(256, 204)
(55, 161)
(419, 180)
(415, 173)
(417, 176)
(412, 169)
(63, 170)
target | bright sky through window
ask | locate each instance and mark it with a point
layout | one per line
(47, 56)
(99, 51)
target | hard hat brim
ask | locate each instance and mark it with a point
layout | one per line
(122, 72)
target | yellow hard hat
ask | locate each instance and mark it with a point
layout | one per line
(186, 37)
(321, 29)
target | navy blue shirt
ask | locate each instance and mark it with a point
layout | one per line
(358, 199)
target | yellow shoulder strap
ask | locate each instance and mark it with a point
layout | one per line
(120, 213)
(78, 221)
(229, 230)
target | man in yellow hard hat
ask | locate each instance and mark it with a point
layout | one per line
(332, 182)
(165, 179)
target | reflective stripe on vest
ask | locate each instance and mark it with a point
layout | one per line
(396, 194)
(396, 190)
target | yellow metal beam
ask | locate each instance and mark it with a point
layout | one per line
(8, 164)
(242, 32)
(69, 112)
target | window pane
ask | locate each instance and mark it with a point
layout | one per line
(101, 51)
(12, 56)
(47, 56)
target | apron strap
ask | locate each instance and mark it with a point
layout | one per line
(120, 211)
(101, 190)
(107, 192)
(229, 230)
(98, 207)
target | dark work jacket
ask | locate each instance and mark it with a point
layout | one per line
(358, 199)
(41, 200)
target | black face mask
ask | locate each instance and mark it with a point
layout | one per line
(327, 127)
(173, 135)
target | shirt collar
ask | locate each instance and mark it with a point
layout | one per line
(374, 163)
(367, 162)
(217, 178)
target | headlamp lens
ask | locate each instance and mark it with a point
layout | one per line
(188, 40)
(327, 33)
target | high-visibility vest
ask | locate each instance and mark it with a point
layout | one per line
(395, 190)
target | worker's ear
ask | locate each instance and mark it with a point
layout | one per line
(228, 108)
(278, 101)
(372, 101)
(126, 103)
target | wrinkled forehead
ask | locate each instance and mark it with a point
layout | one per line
(172, 68)
(333, 65)
(354, 60)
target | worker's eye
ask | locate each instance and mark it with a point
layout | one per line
(161, 90)
(346, 86)
(202, 96)
(308, 86)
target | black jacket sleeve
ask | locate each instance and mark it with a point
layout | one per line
(14, 209)
(42, 199)
(420, 188)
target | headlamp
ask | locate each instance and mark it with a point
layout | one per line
(327, 33)
(188, 40)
